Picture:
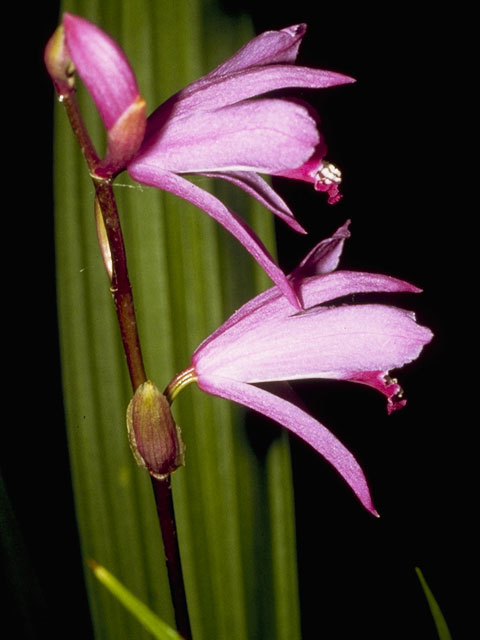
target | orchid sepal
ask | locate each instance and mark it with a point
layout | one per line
(106, 72)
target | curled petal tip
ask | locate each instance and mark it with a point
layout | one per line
(296, 29)
(386, 385)
(325, 256)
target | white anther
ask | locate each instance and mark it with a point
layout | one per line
(328, 174)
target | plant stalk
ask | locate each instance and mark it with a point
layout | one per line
(115, 257)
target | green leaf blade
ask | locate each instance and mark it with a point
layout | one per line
(143, 614)
(233, 500)
(438, 617)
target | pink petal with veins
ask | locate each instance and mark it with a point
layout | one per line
(270, 47)
(221, 91)
(265, 135)
(258, 188)
(298, 422)
(102, 66)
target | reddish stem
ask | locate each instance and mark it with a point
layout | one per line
(123, 298)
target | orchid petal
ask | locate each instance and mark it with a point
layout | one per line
(262, 135)
(102, 66)
(181, 187)
(270, 47)
(312, 291)
(335, 343)
(300, 423)
(257, 187)
(325, 256)
(226, 90)
(318, 290)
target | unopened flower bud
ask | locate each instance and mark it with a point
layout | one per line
(59, 64)
(154, 437)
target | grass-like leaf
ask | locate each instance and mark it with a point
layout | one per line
(440, 622)
(140, 611)
(234, 498)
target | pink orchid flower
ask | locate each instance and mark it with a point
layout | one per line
(222, 125)
(266, 341)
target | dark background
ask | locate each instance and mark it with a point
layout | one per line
(395, 135)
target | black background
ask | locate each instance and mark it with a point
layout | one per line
(396, 136)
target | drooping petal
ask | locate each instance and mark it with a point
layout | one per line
(241, 85)
(102, 66)
(297, 421)
(335, 343)
(150, 175)
(261, 135)
(256, 186)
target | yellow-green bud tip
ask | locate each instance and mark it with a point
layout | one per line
(59, 64)
(155, 439)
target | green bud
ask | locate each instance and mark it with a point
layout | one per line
(155, 439)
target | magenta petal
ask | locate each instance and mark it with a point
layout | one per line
(102, 66)
(335, 343)
(300, 423)
(261, 135)
(227, 90)
(256, 81)
(270, 47)
(150, 175)
(256, 186)
(313, 291)
(325, 256)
